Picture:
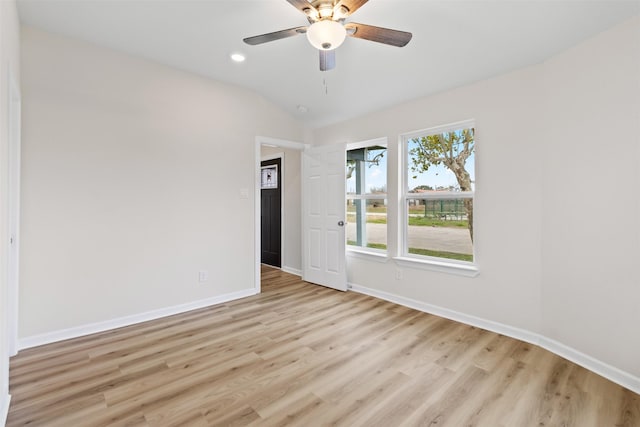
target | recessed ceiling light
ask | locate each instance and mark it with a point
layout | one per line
(238, 57)
(302, 108)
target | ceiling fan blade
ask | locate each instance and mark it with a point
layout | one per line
(327, 60)
(350, 5)
(277, 35)
(305, 7)
(378, 34)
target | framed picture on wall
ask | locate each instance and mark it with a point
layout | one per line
(269, 177)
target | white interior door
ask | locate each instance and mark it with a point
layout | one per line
(323, 200)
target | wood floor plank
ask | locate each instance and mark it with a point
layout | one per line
(304, 355)
(407, 403)
(355, 408)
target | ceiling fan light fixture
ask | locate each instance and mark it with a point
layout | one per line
(326, 34)
(311, 13)
(325, 11)
(340, 13)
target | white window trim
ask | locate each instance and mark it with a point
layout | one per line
(404, 258)
(442, 265)
(440, 195)
(368, 143)
(470, 123)
(374, 254)
(377, 196)
(369, 254)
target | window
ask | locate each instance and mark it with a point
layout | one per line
(367, 195)
(437, 196)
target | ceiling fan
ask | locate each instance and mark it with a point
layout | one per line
(328, 29)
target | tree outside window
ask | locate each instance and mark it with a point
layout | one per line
(438, 194)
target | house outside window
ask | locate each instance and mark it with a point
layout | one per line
(366, 200)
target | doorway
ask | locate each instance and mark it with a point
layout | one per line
(271, 212)
(267, 148)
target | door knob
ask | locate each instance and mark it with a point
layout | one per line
(341, 223)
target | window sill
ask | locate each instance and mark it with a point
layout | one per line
(367, 255)
(467, 270)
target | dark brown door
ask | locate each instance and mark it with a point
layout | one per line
(271, 203)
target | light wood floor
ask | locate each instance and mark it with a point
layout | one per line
(303, 355)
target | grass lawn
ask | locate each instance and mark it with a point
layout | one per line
(370, 208)
(441, 254)
(426, 252)
(437, 222)
(415, 220)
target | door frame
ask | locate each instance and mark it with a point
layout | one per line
(280, 156)
(13, 211)
(271, 142)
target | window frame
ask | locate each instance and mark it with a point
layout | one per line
(467, 268)
(380, 254)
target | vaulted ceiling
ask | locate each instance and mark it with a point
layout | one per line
(454, 42)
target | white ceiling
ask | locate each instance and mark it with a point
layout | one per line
(454, 43)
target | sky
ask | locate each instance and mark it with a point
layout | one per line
(436, 176)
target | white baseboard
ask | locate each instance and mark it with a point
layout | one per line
(93, 328)
(291, 270)
(612, 373)
(489, 325)
(5, 401)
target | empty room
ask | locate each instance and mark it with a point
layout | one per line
(320, 212)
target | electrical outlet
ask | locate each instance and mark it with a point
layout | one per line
(398, 274)
(203, 276)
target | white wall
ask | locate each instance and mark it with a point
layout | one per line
(508, 197)
(291, 227)
(551, 140)
(9, 64)
(591, 181)
(132, 179)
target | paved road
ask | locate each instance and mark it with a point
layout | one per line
(436, 238)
